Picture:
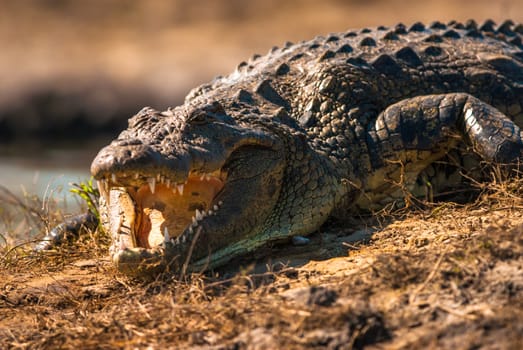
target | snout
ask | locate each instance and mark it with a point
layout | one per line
(134, 157)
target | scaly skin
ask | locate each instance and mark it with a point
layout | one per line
(308, 131)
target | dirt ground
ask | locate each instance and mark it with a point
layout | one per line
(446, 276)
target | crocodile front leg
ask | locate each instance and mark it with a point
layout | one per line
(71, 228)
(413, 133)
(429, 122)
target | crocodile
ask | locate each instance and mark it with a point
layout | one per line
(340, 124)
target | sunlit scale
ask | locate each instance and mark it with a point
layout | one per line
(156, 211)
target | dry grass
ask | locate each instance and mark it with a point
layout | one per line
(449, 277)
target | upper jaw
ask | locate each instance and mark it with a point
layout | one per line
(131, 162)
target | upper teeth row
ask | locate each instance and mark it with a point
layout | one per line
(178, 188)
(103, 184)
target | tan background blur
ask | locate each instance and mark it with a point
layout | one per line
(69, 68)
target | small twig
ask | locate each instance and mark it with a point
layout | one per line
(189, 254)
(18, 246)
(351, 246)
(431, 275)
(455, 313)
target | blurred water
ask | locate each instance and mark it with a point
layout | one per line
(46, 171)
(44, 182)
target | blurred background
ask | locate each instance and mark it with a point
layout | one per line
(73, 72)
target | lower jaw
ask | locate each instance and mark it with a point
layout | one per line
(170, 259)
(147, 264)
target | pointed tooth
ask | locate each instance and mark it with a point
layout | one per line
(136, 176)
(184, 238)
(220, 203)
(215, 207)
(190, 230)
(209, 212)
(113, 177)
(173, 241)
(180, 189)
(152, 184)
(168, 183)
(99, 185)
(199, 215)
(166, 237)
(103, 188)
(158, 177)
(193, 220)
(202, 177)
(207, 177)
(104, 184)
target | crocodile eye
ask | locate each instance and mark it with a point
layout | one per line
(206, 113)
(199, 118)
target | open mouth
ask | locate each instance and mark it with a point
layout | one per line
(145, 211)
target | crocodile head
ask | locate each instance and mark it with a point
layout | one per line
(186, 187)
